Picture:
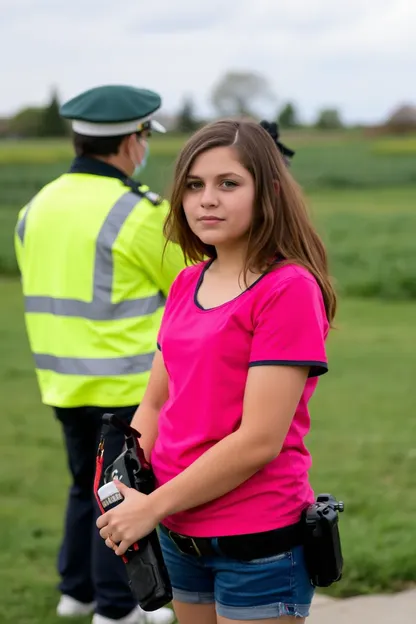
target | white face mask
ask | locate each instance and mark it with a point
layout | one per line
(140, 166)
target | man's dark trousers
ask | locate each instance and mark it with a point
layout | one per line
(89, 570)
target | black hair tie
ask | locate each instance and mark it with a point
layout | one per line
(273, 130)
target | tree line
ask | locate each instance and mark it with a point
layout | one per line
(235, 94)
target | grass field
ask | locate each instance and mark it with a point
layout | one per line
(363, 441)
(338, 160)
(362, 193)
(369, 234)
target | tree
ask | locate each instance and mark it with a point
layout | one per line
(186, 120)
(288, 116)
(52, 124)
(26, 123)
(240, 93)
(329, 119)
(403, 119)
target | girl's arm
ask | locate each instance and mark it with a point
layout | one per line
(145, 420)
(287, 346)
(271, 397)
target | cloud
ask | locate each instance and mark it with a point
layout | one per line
(358, 55)
(180, 17)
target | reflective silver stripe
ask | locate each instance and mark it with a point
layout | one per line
(101, 308)
(95, 310)
(95, 367)
(21, 226)
(104, 264)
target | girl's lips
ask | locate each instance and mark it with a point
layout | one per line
(210, 219)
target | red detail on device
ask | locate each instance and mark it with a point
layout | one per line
(98, 472)
(99, 462)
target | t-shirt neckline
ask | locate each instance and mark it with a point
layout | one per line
(222, 305)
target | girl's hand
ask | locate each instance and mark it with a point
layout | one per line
(130, 521)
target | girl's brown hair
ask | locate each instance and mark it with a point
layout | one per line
(281, 225)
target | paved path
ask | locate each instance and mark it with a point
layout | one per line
(376, 609)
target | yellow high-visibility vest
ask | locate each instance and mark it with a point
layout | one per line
(94, 284)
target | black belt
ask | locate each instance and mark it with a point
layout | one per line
(243, 547)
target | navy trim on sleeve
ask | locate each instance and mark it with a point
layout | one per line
(316, 368)
(158, 346)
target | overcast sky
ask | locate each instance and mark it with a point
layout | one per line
(358, 55)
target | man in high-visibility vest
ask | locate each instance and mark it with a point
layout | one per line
(94, 277)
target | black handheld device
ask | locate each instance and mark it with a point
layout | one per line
(322, 543)
(146, 569)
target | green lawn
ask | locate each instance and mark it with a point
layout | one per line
(363, 441)
(362, 193)
(369, 233)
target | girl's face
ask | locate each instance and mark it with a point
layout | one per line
(219, 198)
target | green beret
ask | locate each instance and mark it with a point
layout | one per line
(112, 110)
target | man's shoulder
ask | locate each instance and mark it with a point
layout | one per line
(153, 198)
(144, 192)
(44, 192)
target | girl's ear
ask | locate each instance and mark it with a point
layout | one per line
(276, 185)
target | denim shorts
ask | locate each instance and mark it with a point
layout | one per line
(259, 589)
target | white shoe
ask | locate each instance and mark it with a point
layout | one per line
(161, 616)
(69, 607)
(138, 616)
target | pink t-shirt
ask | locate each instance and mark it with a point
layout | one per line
(279, 320)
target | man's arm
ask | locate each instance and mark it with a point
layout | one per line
(18, 242)
(162, 265)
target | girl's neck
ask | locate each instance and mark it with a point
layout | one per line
(229, 263)
(230, 260)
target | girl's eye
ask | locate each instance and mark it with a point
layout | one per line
(194, 186)
(229, 184)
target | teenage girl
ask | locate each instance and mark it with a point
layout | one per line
(225, 414)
